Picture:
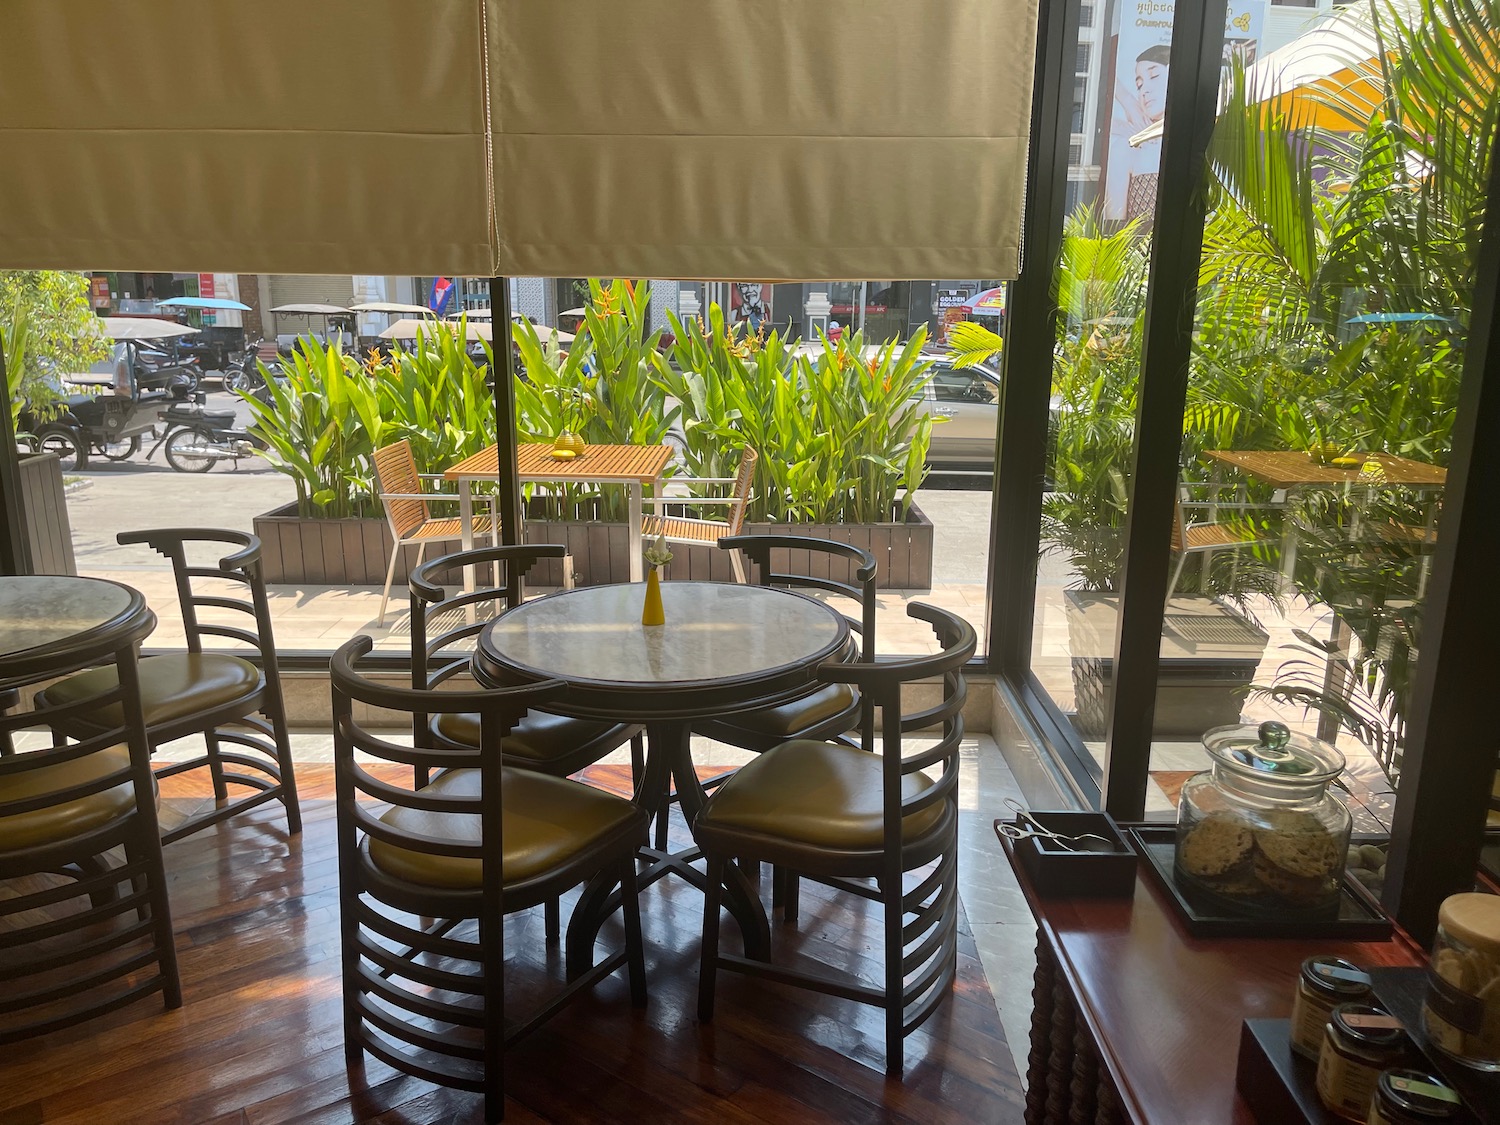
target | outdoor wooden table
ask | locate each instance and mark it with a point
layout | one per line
(634, 466)
(725, 648)
(1137, 1021)
(1293, 470)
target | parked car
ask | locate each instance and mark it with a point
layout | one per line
(964, 404)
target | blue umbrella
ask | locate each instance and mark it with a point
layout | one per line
(202, 303)
(1396, 318)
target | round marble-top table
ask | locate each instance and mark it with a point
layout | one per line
(724, 649)
(56, 624)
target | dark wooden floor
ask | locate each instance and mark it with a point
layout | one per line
(259, 1038)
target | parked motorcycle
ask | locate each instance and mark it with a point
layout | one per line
(197, 438)
(243, 374)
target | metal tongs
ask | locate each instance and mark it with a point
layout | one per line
(1028, 826)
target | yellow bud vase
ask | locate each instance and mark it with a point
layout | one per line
(651, 613)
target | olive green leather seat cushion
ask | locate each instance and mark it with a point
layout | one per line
(71, 818)
(800, 714)
(171, 686)
(817, 793)
(548, 822)
(538, 737)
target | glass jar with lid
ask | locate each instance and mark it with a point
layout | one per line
(1462, 1010)
(1413, 1097)
(1259, 833)
(1359, 1043)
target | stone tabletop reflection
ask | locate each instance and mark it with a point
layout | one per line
(714, 631)
(38, 611)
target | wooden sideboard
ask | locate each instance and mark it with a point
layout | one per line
(1137, 1021)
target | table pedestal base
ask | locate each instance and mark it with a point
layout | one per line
(669, 760)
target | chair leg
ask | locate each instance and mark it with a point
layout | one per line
(737, 564)
(635, 952)
(1176, 573)
(791, 886)
(275, 710)
(895, 979)
(216, 766)
(709, 965)
(390, 576)
(552, 911)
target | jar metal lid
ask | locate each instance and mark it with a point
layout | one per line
(1368, 1026)
(1333, 976)
(1273, 751)
(1473, 919)
(1418, 1094)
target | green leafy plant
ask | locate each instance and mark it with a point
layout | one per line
(839, 424)
(47, 328)
(318, 431)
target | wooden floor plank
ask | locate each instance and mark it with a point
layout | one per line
(259, 1040)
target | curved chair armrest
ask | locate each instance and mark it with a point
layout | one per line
(518, 558)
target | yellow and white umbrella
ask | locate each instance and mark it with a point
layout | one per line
(1331, 76)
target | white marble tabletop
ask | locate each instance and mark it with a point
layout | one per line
(713, 631)
(42, 610)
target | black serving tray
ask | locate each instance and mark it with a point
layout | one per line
(1359, 916)
(1095, 869)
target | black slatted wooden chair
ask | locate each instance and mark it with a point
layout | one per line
(223, 696)
(443, 632)
(66, 816)
(427, 875)
(799, 562)
(883, 826)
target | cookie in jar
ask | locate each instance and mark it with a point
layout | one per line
(1259, 832)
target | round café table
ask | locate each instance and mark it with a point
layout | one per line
(51, 625)
(724, 649)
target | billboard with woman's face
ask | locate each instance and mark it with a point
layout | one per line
(1142, 47)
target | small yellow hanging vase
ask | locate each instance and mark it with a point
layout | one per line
(651, 613)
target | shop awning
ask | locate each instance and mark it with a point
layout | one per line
(666, 138)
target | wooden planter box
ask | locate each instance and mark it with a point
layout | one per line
(46, 506)
(355, 552)
(601, 552)
(298, 551)
(1209, 654)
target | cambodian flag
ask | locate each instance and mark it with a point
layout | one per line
(442, 295)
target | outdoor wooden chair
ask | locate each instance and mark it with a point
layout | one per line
(694, 530)
(222, 696)
(1220, 535)
(428, 874)
(883, 826)
(408, 510)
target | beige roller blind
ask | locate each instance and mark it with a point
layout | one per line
(247, 136)
(768, 139)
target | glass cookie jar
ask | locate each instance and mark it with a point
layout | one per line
(1259, 833)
